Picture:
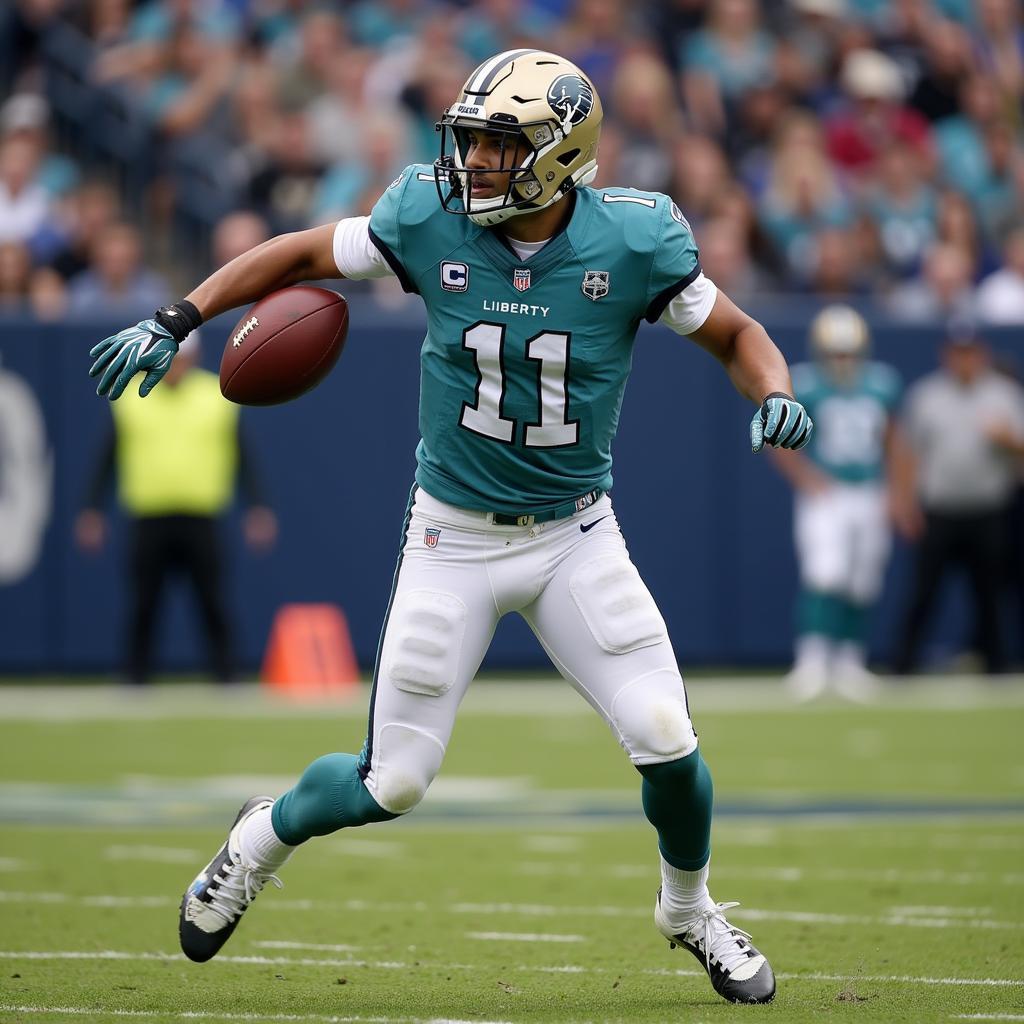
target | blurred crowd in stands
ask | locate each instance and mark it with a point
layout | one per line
(862, 148)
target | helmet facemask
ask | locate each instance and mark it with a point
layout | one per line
(450, 169)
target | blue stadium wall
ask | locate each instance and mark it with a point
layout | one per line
(708, 524)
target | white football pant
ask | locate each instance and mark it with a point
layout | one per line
(843, 540)
(580, 594)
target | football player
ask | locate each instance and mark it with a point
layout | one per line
(842, 506)
(534, 286)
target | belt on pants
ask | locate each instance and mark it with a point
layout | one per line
(569, 508)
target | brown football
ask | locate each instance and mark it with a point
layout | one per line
(285, 345)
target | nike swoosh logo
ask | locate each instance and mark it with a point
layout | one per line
(589, 526)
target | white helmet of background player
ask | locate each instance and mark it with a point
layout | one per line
(839, 330)
(528, 96)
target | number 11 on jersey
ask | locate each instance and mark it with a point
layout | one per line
(550, 350)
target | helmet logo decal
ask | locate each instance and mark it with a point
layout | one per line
(571, 98)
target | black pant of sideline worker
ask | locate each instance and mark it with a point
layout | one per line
(977, 543)
(164, 546)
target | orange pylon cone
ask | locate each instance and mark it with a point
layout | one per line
(309, 653)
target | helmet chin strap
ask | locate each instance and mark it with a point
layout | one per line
(489, 218)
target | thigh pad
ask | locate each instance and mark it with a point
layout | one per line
(424, 641)
(616, 605)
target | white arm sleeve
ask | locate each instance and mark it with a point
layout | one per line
(691, 307)
(355, 254)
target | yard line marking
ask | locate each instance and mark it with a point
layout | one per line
(987, 1016)
(905, 979)
(110, 954)
(923, 919)
(523, 937)
(931, 876)
(160, 854)
(316, 946)
(939, 911)
(81, 1011)
(801, 917)
(497, 697)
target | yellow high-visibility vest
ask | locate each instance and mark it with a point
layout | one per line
(177, 449)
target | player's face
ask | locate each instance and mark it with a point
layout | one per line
(486, 154)
(842, 367)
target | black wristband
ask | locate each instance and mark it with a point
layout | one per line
(179, 319)
(779, 394)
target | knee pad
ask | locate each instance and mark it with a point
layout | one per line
(616, 605)
(651, 717)
(424, 641)
(405, 761)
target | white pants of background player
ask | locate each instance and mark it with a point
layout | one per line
(843, 541)
(581, 595)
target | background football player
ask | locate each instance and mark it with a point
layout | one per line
(842, 503)
(534, 287)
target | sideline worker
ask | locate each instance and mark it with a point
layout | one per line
(177, 455)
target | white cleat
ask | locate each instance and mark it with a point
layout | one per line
(738, 971)
(215, 901)
(805, 682)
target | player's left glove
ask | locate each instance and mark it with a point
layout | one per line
(150, 346)
(781, 422)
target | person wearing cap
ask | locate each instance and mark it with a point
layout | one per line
(875, 115)
(965, 425)
(177, 456)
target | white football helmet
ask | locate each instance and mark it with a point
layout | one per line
(839, 330)
(527, 96)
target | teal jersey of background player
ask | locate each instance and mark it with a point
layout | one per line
(525, 362)
(850, 421)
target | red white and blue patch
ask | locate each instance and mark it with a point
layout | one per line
(430, 536)
(521, 279)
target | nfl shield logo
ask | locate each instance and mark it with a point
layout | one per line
(430, 536)
(521, 279)
(595, 284)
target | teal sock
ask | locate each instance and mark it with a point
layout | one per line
(819, 613)
(677, 797)
(330, 795)
(853, 623)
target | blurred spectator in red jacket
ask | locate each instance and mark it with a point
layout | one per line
(875, 116)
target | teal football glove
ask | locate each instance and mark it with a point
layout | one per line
(781, 422)
(148, 346)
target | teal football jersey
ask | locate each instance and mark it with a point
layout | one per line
(524, 364)
(850, 422)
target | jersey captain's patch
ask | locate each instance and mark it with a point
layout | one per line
(595, 284)
(454, 276)
(521, 279)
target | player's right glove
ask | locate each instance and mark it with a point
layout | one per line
(781, 422)
(148, 346)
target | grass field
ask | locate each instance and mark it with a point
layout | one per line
(878, 854)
